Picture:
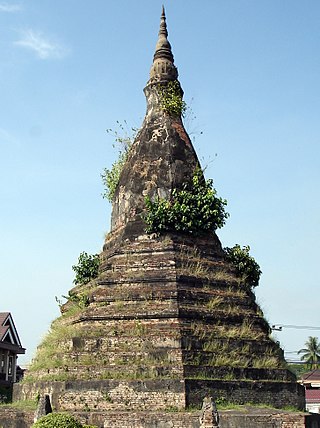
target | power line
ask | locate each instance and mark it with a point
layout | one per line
(279, 327)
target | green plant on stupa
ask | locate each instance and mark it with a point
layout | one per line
(246, 266)
(193, 209)
(171, 100)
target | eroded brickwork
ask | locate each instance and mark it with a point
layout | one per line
(250, 418)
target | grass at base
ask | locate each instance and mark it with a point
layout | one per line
(27, 405)
(247, 406)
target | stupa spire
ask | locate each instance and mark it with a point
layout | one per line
(163, 47)
(163, 67)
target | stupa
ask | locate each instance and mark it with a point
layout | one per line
(167, 321)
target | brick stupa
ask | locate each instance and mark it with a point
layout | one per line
(166, 322)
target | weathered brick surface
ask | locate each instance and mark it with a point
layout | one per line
(253, 418)
(108, 395)
(160, 420)
(11, 418)
(262, 419)
(241, 392)
(154, 328)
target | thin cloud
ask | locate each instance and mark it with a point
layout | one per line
(7, 137)
(10, 8)
(41, 46)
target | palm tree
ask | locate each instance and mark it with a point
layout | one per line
(311, 352)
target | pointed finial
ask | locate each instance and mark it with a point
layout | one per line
(163, 47)
(163, 25)
(163, 62)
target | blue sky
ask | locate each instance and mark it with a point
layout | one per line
(70, 69)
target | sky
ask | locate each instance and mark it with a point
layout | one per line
(70, 69)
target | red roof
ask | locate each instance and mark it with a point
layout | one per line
(313, 395)
(309, 377)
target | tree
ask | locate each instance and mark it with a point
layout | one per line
(311, 352)
(87, 268)
(246, 266)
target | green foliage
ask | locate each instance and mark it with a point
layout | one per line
(194, 209)
(57, 420)
(87, 268)
(22, 405)
(171, 409)
(311, 352)
(79, 299)
(110, 177)
(246, 266)
(171, 98)
(124, 139)
(298, 369)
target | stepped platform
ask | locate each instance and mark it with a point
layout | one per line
(166, 325)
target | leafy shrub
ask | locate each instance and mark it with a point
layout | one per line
(171, 98)
(110, 177)
(87, 268)
(194, 209)
(246, 266)
(124, 138)
(57, 420)
(79, 299)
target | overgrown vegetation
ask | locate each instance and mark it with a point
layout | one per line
(190, 262)
(124, 138)
(170, 95)
(58, 420)
(87, 268)
(223, 404)
(245, 331)
(47, 355)
(193, 209)
(246, 266)
(80, 300)
(298, 369)
(24, 405)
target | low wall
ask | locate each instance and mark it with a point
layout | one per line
(264, 420)
(10, 418)
(107, 395)
(276, 394)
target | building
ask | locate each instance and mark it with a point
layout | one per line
(10, 348)
(311, 382)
